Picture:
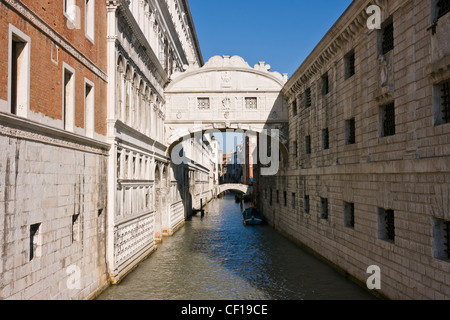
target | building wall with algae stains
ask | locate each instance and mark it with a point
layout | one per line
(52, 212)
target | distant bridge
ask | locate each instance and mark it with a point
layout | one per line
(245, 189)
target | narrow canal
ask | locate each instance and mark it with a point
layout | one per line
(218, 258)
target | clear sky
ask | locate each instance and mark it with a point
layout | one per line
(280, 32)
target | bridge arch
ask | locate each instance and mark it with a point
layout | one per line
(226, 94)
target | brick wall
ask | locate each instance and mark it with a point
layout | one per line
(46, 76)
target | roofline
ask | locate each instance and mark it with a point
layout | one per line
(194, 32)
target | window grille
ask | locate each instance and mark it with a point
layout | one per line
(351, 131)
(443, 7)
(203, 103)
(324, 208)
(308, 100)
(308, 144)
(251, 103)
(325, 84)
(349, 214)
(388, 38)
(350, 64)
(390, 227)
(447, 238)
(306, 204)
(389, 120)
(445, 91)
(326, 139)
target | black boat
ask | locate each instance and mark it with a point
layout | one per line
(252, 216)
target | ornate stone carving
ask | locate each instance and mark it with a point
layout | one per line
(226, 104)
(226, 79)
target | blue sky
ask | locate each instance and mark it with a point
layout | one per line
(280, 32)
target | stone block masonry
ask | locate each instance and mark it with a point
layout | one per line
(52, 204)
(378, 194)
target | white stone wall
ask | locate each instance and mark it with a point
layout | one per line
(48, 181)
(408, 172)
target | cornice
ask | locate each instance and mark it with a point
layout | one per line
(35, 20)
(22, 128)
(145, 51)
(346, 28)
(193, 32)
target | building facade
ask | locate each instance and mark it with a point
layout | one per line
(54, 153)
(147, 42)
(87, 187)
(367, 182)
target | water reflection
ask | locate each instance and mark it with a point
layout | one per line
(218, 258)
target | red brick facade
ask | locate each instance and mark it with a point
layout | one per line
(46, 75)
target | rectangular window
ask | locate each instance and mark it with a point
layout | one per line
(325, 84)
(441, 102)
(251, 103)
(441, 239)
(349, 61)
(294, 148)
(285, 198)
(68, 98)
(90, 19)
(306, 204)
(35, 241)
(203, 103)
(76, 228)
(387, 119)
(349, 215)
(443, 7)
(293, 200)
(308, 144)
(70, 10)
(89, 108)
(324, 208)
(325, 139)
(386, 225)
(294, 107)
(350, 131)
(100, 221)
(278, 196)
(271, 196)
(308, 100)
(19, 72)
(388, 38)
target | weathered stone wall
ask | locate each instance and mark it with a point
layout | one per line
(407, 172)
(60, 184)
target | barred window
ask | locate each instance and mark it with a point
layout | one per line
(325, 139)
(293, 200)
(324, 208)
(350, 131)
(251, 103)
(386, 225)
(203, 103)
(387, 113)
(388, 38)
(308, 144)
(443, 7)
(444, 92)
(441, 239)
(325, 84)
(294, 107)
(308, 100)
(306, 203)
(349, 64)
(349, 215)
